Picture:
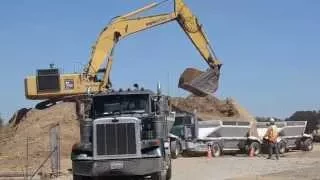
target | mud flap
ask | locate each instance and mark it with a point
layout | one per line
(200, 83)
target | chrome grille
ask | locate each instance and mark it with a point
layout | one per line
(116, 139)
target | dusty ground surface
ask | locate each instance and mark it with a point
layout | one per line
(293, 165)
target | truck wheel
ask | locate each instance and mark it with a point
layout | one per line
(282, 147)
(158, 176)
(77, 177)
(256, 148)
(307, 145)
(174, 149)
(216, 150)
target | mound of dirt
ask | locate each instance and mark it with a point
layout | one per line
(210, 107)
(36, 125)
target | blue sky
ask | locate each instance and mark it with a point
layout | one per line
(270, 49)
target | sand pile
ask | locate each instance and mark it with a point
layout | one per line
(210, 107)
(36, 125)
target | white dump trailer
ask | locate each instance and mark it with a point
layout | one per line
(291, 135)
(218, 135)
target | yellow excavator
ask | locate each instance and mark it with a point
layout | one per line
(52, 86)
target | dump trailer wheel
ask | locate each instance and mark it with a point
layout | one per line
(307, 145)
(316, 138)
(216, 150)
(256, 148)
(175, 149)
(282, 147)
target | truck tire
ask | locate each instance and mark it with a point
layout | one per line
(174, 149)
(307, 145)
(316, 138)
(78, 177)
(256, 147)
(282, 147)
(216, 150)
(158, 176)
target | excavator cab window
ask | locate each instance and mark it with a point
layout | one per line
(100, 74)
(48, 80)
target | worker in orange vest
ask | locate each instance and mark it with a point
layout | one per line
(271, 136)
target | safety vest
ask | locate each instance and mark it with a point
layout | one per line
(272, 133)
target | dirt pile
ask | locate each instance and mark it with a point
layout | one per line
(36, 125)
(210, 107)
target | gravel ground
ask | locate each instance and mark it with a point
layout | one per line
(227, 168)
(293, 165)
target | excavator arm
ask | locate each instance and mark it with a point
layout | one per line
(195, 81)
(117, 30)
(191, 26)
(126, 25)
(49, 84)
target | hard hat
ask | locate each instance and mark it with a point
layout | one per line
(272, 121)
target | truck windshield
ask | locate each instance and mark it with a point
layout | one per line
(120, 104)
(178, 130)
(181, 120)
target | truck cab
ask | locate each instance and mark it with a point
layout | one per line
(184, 129)
(127, 135)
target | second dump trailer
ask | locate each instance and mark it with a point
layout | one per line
(220, 136)
(291, 135)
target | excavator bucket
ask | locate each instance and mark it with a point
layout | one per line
(198, 82)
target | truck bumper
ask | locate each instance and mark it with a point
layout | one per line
(121, 167)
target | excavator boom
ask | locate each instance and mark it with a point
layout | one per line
(116, 31)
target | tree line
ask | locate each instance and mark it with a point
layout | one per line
(312, 118)
(266, 119)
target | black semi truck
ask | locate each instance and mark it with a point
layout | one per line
(125, 135)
